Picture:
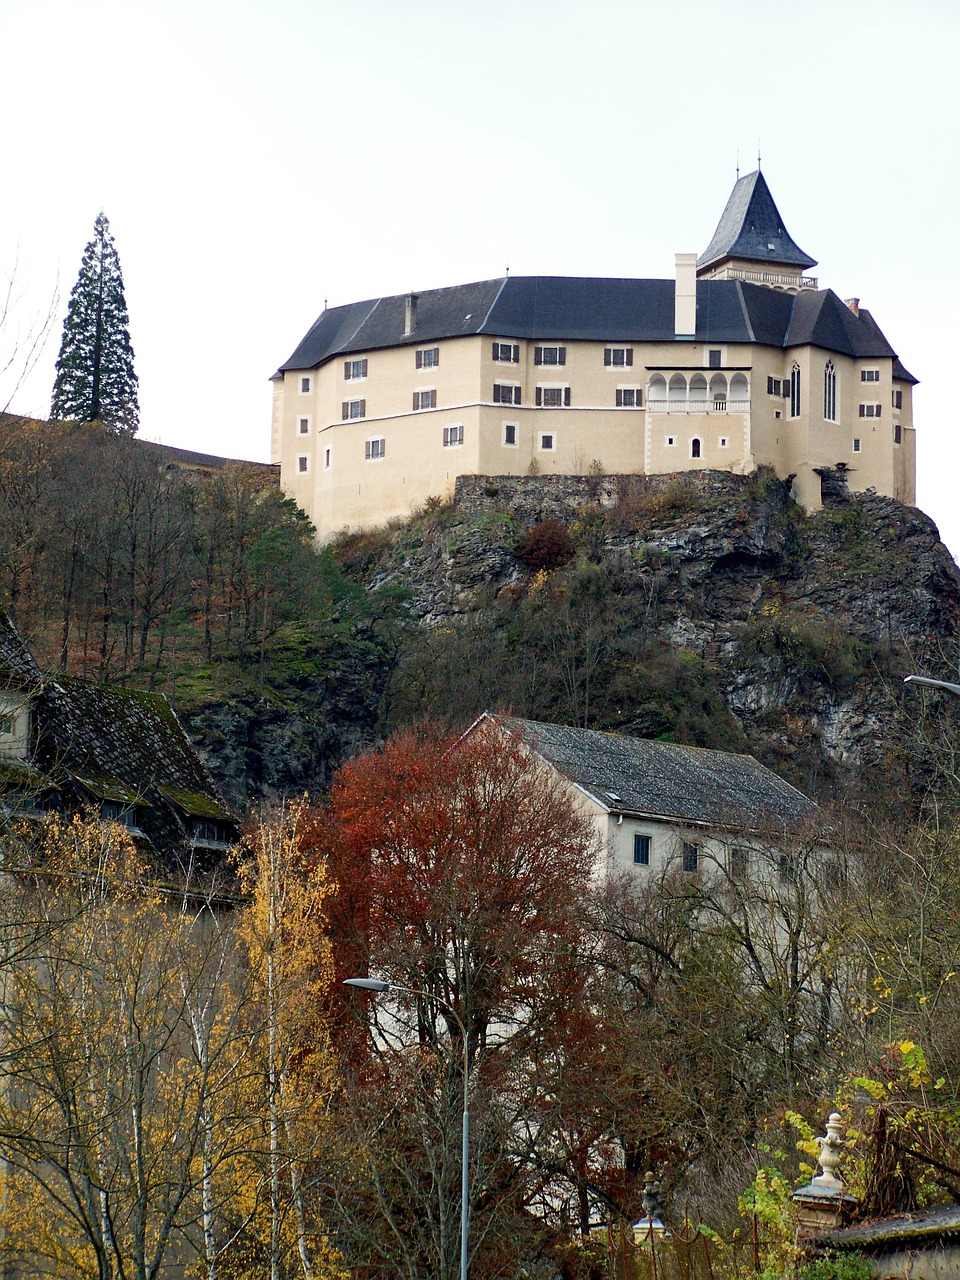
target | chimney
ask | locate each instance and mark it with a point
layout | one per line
(853, 304)
(685, 307)
(409, 314)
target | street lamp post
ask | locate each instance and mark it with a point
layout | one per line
(378, 985)
(934, 684)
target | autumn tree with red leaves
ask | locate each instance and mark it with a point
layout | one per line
(463, 867)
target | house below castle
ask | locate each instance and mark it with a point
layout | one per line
(740, 361)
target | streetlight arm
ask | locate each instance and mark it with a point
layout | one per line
(934, 684)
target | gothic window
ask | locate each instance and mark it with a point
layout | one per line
(830, 392)
(795, 391)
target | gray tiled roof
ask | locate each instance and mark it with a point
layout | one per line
(664, 780)
(571, 308)
(919, 1229)
(751, 227)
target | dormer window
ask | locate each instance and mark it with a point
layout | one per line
(126, 815)
(208, 831)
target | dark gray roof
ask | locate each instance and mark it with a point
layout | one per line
(664, 780)
(568, 308)
(751, 227)
(17, 664)
(174, 457)
(924, 1227)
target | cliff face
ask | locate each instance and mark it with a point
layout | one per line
(707, 608)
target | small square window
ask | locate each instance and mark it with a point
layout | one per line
(722, 442)
(641, 850)
(303, 464)
(691, 856)
(304, 426)
(547, 443)
(428, 358)
(506, 352)
(510, 433)
(670, 441)
(453, 436)
(305, 385)
(374, 449)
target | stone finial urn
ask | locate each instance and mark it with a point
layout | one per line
(823, 1204)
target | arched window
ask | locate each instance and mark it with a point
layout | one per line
(830, 392)
(656, 391)
(694, 448)
(678, 387)
(718, 391)
(739, 389)
(698, 388)
(795, 391)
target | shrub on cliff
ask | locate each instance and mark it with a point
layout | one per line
(546, 545)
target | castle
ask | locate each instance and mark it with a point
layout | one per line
(737, 362)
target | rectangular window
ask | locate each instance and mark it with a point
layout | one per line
(303, 464)
(375, 449)
(691, 856)
(506, 352)
(629, 398)
(428, 358)
(305, 384)
(510, 433)
(898, 399)
(869, 411)
(856, 444)
(354, 369)
(303, 426)
(774, 387)
(504, 394)
(787, 869)
(553, 397)
(795, 392)
(550, 355)
(546, 443)
(326, 459)
(897, 433)
(425, 399)
(716, 360)
(670, 440)
(618, 357)
(869, 375)
(453, 436)
(722, 442)
(641, 850)
(354, 409)
(738, 863)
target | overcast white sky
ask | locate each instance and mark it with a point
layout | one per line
(256, 157)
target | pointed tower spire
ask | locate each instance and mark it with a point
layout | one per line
(750, 232)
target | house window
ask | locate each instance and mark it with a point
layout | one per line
(305, 385)
(897, 433)
(547, 443)
(670, 440)
(691, 856)
(326, 459)
(618, 357)
(354, 369)
(550, 355)
(830, 391)
(510, 434)
(303, 464)
(505, 394)
(354, 409)
(110, 811)
(428, 358)
(506, 352)
(722, 442)
(856, 444)
(553, 397)
(787, 869)
(641, 850)
(629, 398)
(694, 448)
(303, 426)
(869, 411)
(738, 863)
(453, 436)
(898, 399)
(715, 360)
(6, 723)
(774, 387)
(208, 831)
(869, 375)
(425, 399)
(795, 391)
(376, 448)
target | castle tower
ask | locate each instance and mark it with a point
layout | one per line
(751, 243)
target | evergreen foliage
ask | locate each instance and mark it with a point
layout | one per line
(96, 380)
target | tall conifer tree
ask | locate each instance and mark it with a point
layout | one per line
(96, 381)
